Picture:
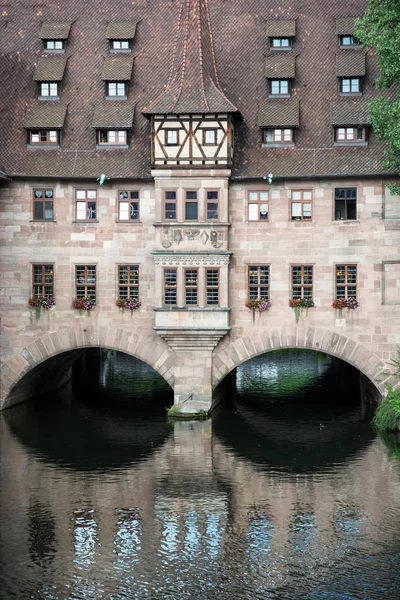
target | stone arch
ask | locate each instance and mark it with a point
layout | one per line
(230, 356)
(152, 350)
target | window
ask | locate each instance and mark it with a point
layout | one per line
(112, 137)
(348, 40)
(44, 137)
(85, 205)
(350, 86)
(191, 206)
(116, 89)
(49, 90)
(170, 206)
(346, 281)
(258, 206)
(345, 204)
(128, 205)
(302, 206)
(209, 137)
(124, 45)
(43, 281)
(278, 136)
(85, 276)
(212, 289)
(279, 87)
(281, 43)
(43, 208)
(302, 282)
(212, 206)
(54, 45)
(258, 282)
(191, 283)
(350, 135)
(172, 137)
(128, 281)
(170, 284)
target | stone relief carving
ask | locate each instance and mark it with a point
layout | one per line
(216, 238)
(177, 236)
(191, 233)
(192, 261)
(204, 237)
(166, 237)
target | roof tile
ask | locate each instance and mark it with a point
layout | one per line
(280, 65)
(123, 30)
(350, 63)
(50, 68)
(273, 113)
(45, 116)
(117, 68)
(54, 31)
(345, 25)
(112, 115)
(281, 28)
(350, 112)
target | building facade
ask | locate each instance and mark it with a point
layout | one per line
(190, 157)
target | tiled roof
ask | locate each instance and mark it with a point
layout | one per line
(54, 31)
(350, 112)
(112, 115)
(50, 115)
(345, 25)
(350, 63)
(117, 68)
(193, 84)
(124, 30)
(239, 45)
(281, 28)
(278, 113)
(280, 65)
(50, 68)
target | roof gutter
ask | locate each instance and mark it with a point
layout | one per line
(325, 176)
(87, 177)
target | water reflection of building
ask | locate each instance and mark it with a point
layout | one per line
(194, 501)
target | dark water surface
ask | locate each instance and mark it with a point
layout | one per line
(287, 494)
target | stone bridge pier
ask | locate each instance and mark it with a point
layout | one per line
(196, 366)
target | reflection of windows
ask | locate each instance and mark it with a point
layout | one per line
(43, 204)
(191, 206)
(279, 87)
(345, 204)
(212, 206)
(85, 537)
(191, 283)
(302, 282)
(258, 206)
(49, 90)
(85, 278)
(258, 282)
(301, 206)
(346, 281)
(170, 284)
(43, 281)
(42, 538)
(85, 205)
(128, 281)
(170, 206)
(43, 136)
(128, 538)
(128, 205)
(212, 284)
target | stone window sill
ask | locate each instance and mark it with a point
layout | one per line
(85, 222)
(43, 146)
(289, 145)
(112, 98)
(341, 221)
(48, 98)
(350, 144)
(112, 147)
(131, 221)
(42, 221)
(192, 308)
(279, 96)
(350, 94)
(54, 51)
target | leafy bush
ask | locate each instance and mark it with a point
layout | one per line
(388, 412)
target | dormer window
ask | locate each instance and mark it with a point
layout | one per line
(44, 137)
(54, 45)
(283, 137)
(279, 87)
(350, 86)
(116, 90)
(49, 90)
(350, 135)
(121, 45)
(348, 41)
(281, 43)
(110, 137)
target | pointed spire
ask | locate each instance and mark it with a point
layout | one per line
(193, 85)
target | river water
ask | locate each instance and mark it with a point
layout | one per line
(286, 493)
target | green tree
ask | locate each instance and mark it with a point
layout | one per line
(380, 28)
